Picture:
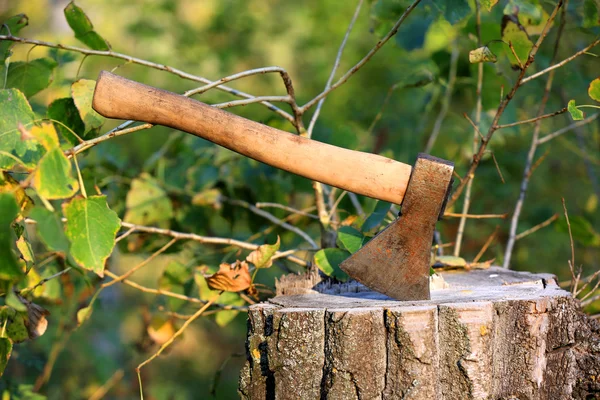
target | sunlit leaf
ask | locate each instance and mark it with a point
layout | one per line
(520, 42)
(482, 54)
(329, 260)
(91, 228)
(25, 249)
(50, 229)
(208, 197)
(376, 217)
(5, 352)
(31, 77)
(9, 185)
(15, 111)
(449, 261)
(83, 93)
(147, 203)
(230, 277)
(261, 257)
(9, 269)
(83, 28)
(83, 314)
(161, 329)
(594, 89)
(53, 177)
(488, 4)
(65, 111)
(45, 134)
(575, 112)
(350, 239)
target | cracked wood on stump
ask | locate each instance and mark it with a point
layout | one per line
(494, 334)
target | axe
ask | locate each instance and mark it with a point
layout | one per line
(396, 261)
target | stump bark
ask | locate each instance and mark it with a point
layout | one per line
(493, 334)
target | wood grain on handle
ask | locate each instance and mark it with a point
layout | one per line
(363, 173)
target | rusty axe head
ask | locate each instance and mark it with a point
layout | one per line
(396, 261)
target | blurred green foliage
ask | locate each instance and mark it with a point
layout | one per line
(167, 179)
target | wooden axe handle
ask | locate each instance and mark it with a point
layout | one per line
(363, 173)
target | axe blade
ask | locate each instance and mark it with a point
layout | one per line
(396, 261)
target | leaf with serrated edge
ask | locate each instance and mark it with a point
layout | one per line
(83, 93)
(575, 112)
(230, 277)
(83, 28)
(594, 89)
(91, 228)
(9, 210)
(261, 257)
(53, 177)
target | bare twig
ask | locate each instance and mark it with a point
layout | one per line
(487, 244)
(204, 239)
(527, 121)
(23, 292)
(365, 59)
(336, 64)
(566, 129)
(140, 265)
(537, 227)
(161, 67)
(273, 219)
(562, 63)
(286, 208)
(574, 280)
(446, 99)
(497, 167)
(531, 154)
(112, 381)
(245, 102)
(504, 103)
(475, 216)
(512, 49)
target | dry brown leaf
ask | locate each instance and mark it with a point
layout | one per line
(36, 322)
(230, 277)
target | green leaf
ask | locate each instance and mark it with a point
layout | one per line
(25, 249)
(83, 28)
(16, 329)
(520, 42)
(9, 268)
(450, 261)
(147, 203)
(13, 301)
(591, 14)
(174, 279)
(10, 185)
(14, 24)
(91, 228)
(50, 229)
(350, 239)
(594, 89)
(376, 217)
(261, 257)
(329, 260)
(581, 229)
(31, 77)
(575, 112)
(83, 93)
(15, 111)
(53, 178)
(65, 111)
(454, 10)
(5, 351)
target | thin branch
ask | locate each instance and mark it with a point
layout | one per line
(118, 131)
(512, 49)
(161, 67)
(537, 227)
(574, 280)
(487, 244)
(245, 102)
(204, 239)
(475, 216)
(362, 62)
(140, 265)
(446, 100)
(527, 121)
(532, 149)
(538, 162)
(336, 64)
(112, 381)
(286, 208)
(502, 107)
(566, 129)
(196, 315)
(562, 63)
(23, 292)
(497, 167)
(273, 219)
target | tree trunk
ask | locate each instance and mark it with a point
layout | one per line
(493, 334)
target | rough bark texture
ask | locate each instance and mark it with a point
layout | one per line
(493, 334)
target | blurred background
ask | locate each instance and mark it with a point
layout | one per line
(389, 107)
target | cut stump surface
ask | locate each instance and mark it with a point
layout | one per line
(493, 334)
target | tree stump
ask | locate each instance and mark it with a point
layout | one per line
(493, 334)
